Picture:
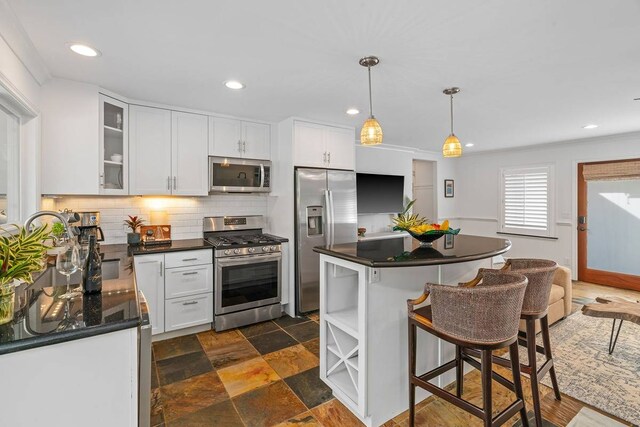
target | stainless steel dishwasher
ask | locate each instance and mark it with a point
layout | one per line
(144, 364)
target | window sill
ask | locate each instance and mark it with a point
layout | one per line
(526, 235)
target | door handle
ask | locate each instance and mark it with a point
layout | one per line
(261, 175)
(175, 183)
(239, 146)
(189, 259)
(168, 183)
(190, 273)
(161, 269)
(329, 157)
(190, 303)
(582, 228)
(101, 180)
(244, 146)
(324, 157)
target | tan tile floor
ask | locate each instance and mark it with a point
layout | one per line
(267, 374)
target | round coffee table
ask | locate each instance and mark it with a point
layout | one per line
(614, 308)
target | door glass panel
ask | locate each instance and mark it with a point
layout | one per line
(234, 175)
(113, 146)
(9, 173)
(249, 282)
(613, 221)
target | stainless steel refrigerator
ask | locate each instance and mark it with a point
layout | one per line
(326, 214)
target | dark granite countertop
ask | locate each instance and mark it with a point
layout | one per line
(174, 246)
(406, 252)
(39, 313)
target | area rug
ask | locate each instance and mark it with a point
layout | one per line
(587, 417)
(587, 372)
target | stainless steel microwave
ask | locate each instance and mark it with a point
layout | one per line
(228, 175)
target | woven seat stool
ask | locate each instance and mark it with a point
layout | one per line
(540, 273)
(483, 318)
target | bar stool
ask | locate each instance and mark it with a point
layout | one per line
(540, 274)
(484, 318)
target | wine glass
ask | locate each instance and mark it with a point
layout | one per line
(67, 264)
(83, 254)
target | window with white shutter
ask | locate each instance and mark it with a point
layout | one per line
(526, 200)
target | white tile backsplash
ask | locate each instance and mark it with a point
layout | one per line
(185, 213)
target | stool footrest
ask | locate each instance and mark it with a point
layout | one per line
(438, 371)
(449, 397)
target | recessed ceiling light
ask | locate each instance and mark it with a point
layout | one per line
(469, 144)
(353, 111)
(83, 49)
(234, 84)
(589, 126)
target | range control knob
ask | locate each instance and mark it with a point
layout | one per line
(273, 248)
(227, 252)
(236, 251)
(265, 249)
(252, 250)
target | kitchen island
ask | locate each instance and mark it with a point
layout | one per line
(73, 362)
(364, 287)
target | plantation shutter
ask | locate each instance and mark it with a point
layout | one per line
(526, 199)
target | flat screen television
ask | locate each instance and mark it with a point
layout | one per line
(379, 194)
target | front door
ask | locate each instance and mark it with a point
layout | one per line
(609, 223)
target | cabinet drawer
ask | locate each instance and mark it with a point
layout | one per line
(188, 311)
(183, 281)
(186, 258)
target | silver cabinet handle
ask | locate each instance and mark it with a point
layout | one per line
(261, 175)
(190, 303)
(175, 185)
(329, 157)
(101, 180)
(239, 146)
(190, 259)
(324, 157)
(190, 273)
(161, 269)
(244, 146)
(168, 183)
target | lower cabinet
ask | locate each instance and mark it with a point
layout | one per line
(188, 311)
(178, 287)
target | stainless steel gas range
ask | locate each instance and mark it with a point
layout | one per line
(247, 271)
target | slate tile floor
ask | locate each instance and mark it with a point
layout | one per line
(260, 375)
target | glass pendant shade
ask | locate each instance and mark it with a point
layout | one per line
(371, 133)
(452, 147)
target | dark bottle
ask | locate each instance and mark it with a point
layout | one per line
(93, 280)
(92, 309)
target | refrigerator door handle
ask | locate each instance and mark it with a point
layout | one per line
(328, 217)
(332, 217)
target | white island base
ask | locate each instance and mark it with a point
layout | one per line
(363, 333)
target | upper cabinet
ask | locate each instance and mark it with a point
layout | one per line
(114, 146)
(189, 163)
(237, 138)
(168, 152)
(321, 146)
(70, 150)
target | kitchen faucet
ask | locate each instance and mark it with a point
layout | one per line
(61, 217)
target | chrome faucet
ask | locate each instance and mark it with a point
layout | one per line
(61, 217)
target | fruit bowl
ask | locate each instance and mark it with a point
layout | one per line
(428, 233)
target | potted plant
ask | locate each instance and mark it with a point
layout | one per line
(21, 255)
(134, 222)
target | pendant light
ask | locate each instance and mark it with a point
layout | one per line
(451, 146)
(371, 133)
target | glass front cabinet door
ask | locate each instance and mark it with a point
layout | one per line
(114, 146)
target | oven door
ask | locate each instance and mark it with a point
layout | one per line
(239, 175)
(247, 282)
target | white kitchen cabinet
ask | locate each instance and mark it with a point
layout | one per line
(150, 150)
(149, 271)
(70, 138)
(320, 146)
(114, 146)
(178, 287)
(189, 164)
(238, 138)
(168, 152)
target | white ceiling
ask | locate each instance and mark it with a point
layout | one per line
(530, 71)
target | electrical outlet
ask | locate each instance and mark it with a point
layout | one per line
(374, 275)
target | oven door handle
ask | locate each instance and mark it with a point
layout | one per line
(251, 259)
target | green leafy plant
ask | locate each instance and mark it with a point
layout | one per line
(21, 253)
(133, 222)
(405, 220)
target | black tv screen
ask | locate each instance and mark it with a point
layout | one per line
(380, 193)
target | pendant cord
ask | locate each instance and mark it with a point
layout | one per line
(451, 114)
(370, 101)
